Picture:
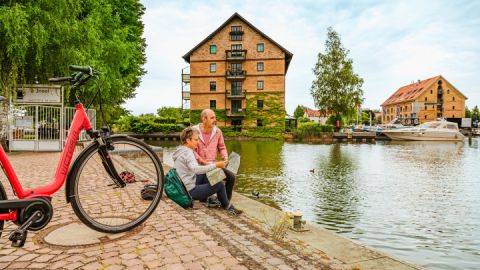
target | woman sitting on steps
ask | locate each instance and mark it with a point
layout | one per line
(194, 175)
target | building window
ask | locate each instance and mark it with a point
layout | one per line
(259, 123)
(213, 104)
(453, 107)
(213, 68)
(425, 117)
(425, 108)
(259, 85)
(260, 66)
(236, 67)
(259, 104)
(235, 37)
(213, 86)
(213, 49)
(448, 91)
(236, 28)
(453, 115)
(260, 47)
(236, 86)
(433, 106)
(431, 91)
(425, 98)
(236, 33)
(453, 98)
(236, 47)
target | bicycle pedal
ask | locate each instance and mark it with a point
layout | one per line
(18, 238)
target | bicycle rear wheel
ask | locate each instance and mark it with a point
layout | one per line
(99, 202)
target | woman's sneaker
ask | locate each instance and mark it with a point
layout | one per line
(233, 211)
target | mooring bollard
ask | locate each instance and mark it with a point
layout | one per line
(298, 223)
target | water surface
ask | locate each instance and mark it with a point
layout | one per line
(419, 201)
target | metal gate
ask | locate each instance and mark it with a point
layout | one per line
(42, 128)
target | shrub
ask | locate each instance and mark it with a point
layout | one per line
(147, 124)
(312, 129)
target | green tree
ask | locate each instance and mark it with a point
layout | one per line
(336, 89)
(299, 111)
(170, 112)
(39, 39)
(476, 113)
(468, 113)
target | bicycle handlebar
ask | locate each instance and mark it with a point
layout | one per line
(60, 79)
(84, 69)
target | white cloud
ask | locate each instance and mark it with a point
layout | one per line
(391, 43)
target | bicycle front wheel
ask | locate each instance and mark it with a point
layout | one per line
(104, 206)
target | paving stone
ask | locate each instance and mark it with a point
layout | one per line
(38, 265)
(92, 266)
(8, 258)
(19, 265)
(27, 257)
(44, 258)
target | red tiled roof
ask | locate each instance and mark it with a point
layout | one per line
(410, 92)
(312, 113)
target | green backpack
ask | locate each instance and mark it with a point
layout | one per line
(176, 191)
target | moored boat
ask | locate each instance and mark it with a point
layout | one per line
(430, 131)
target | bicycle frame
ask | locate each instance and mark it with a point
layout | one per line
(80, 121)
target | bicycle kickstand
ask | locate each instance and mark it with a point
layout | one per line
(19, 236)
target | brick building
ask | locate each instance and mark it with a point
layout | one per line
(425, 101)
(240, 73)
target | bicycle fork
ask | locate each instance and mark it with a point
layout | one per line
(104, 146)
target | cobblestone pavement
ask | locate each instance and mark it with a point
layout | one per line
(172, 238)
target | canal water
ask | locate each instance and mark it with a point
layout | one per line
(419, 201)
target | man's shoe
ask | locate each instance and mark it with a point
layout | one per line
(233, 211)
(213, 201)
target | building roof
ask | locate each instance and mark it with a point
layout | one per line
(311, 113)
(412, 91)
(288, 55)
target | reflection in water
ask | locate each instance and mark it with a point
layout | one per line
(260, 170)
(335, 195)
(419, 201)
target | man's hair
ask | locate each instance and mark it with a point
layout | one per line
(204, 113)
(187, 133)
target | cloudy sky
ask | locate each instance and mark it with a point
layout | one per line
(391, 43)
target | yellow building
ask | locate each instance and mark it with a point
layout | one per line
(424, 101)
(240, 73)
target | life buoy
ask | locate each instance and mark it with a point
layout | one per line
(415, 121)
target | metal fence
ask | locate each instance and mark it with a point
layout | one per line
(42, 128)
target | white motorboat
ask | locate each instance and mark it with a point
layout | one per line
(430, 131)
(394, 124)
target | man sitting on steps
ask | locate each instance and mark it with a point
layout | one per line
(211, 141)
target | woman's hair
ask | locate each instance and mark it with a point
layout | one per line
(187, 133)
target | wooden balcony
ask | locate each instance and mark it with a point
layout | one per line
(236, 94)
(236, 74)
(236, 55)
(186, 95)
(236, 113)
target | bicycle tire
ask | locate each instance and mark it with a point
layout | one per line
(109, 198)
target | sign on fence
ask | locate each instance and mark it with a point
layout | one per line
(39, 94)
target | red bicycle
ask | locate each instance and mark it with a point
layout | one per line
(104, 184)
